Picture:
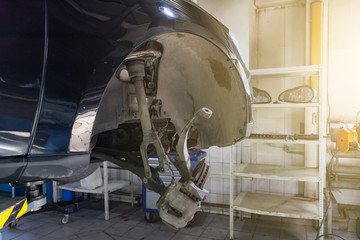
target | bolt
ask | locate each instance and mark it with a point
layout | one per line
(145, 180)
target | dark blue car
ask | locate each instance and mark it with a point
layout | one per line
(119, 80)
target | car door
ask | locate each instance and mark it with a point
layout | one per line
(22, 31)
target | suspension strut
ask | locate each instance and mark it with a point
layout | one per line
(135, 65)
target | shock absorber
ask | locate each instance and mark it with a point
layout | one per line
(135, 65)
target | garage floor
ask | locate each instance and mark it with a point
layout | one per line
(128, 222)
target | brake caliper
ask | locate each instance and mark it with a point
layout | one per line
(179, 203)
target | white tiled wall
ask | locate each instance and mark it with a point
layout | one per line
(219, 185)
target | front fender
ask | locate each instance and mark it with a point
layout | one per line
(195, 73)
(200, 67)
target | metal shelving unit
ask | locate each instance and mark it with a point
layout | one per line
(282, 141)
(274, 172)
(279, 205)
(274, 205)
(342, 176)
(108, 187)
(286, 105)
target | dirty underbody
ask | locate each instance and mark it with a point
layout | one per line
(170, 106)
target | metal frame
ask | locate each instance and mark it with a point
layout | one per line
(145, 209)
(322, 147)
(321, 106)
(231, 192)
(104, 190)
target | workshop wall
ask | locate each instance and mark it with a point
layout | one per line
(343, 74)
(236, 18)
(343, 59)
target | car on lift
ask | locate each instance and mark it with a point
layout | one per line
(118, 80)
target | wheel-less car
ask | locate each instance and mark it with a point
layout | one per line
(118, 80)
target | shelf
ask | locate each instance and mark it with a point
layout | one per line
(274, 172)
(286, 72)
(340, 169)
(284, 206)
(213, 175)
(281, 206)
(285, 105)
(346, 155)
(113, 185)
(282, 141)
(345, 183)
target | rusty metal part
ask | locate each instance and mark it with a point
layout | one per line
(135, 65)
(183, 157)
(179, 203)
(200, 174)
(149, 54)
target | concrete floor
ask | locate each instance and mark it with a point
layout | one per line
(128, 222)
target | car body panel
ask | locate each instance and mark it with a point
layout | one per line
(21, 63)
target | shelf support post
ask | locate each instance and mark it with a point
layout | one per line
(106, 190)
(231, 192)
